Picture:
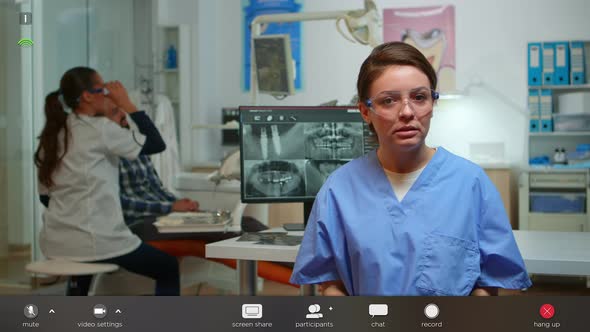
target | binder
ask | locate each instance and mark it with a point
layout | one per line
(546, 110)
(534, 111)
(548, 63)
(577, 62)
(535, 61)
(562, 63)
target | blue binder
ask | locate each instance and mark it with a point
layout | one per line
(534, 111)
(546, 110)
(577, 62)
(535, 61)
(562, 63)
(548, 63)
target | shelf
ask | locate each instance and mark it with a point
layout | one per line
(551, 169)
(561, 87)
(232, 125)
(560, 133)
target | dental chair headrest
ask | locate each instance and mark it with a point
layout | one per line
(229, 169)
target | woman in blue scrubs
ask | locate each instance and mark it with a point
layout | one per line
(407, 219)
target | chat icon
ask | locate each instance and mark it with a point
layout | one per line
(378, 310)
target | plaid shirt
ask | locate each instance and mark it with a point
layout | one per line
(141, 191)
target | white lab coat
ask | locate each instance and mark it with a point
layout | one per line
(84, 220)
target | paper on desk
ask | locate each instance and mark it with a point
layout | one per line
(287, 240)
(272, 238)
(259, 236)
(194, 219)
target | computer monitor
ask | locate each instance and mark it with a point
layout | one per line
(287, 153)
(274, 65)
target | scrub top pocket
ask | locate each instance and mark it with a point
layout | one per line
(448, 265)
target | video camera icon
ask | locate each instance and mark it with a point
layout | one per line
(99, 311)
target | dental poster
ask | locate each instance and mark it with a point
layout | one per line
(432, 31)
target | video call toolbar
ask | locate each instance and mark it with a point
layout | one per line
(234, 313)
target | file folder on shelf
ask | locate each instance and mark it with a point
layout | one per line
(535, 64)
(577, 62)
(534, 111)
(546, 110)
(562, 63)
(548, 63)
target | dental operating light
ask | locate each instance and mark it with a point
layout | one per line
(364, 27)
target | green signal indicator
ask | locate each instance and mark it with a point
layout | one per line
(25, 42)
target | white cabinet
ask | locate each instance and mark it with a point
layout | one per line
(175, 82)
(169, 78)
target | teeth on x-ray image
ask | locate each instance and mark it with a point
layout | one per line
(333, 140)
(273, 141)
(274, 178)
(317, 171)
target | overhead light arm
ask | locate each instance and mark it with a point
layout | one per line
(363, 25)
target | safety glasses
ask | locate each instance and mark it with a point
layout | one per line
(103, 91)
(390, 103)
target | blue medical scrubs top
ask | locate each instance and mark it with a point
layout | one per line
(448, 235)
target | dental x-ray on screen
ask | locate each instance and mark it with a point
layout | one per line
(288, 152)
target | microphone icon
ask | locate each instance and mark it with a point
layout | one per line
(31, 311)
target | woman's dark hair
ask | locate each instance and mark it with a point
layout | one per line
(391, 54)
(72, 84)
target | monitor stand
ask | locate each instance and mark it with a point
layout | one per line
(307, 211)
(300, 227)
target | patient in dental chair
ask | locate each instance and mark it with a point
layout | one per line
(141, 192)
(143, 195)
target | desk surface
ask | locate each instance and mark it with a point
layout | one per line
(148, 232)
(554, 253)
(234, 249)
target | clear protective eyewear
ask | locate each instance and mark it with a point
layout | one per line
(388, 103)
(103, 91)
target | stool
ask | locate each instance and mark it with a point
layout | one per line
(59, 267)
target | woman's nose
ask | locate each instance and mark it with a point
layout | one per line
(406, 109)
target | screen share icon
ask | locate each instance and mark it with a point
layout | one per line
(251, 311)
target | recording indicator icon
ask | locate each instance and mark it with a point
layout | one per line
(25, 18)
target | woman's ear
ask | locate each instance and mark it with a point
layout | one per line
(364, 112)
(85, 97)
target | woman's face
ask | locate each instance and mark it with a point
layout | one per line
(96, 99)
(405, 126)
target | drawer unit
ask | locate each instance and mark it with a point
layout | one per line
(555, 202)
(558, 180)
